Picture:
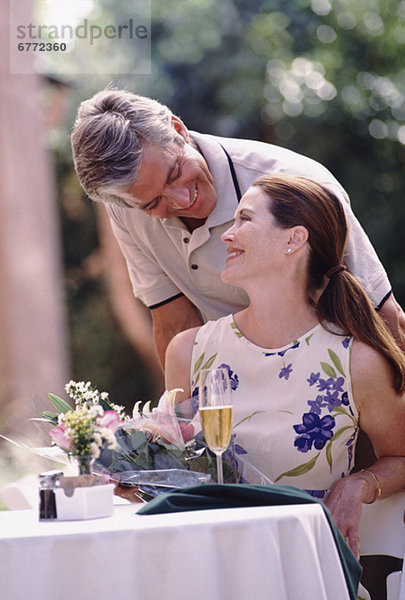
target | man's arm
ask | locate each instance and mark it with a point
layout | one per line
(171, 318)
(394, 317)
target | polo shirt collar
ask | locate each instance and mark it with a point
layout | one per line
(227, 200)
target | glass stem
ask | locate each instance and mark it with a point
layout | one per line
(220, 475)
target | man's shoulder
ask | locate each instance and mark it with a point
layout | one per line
(241, 148)
(264, 156)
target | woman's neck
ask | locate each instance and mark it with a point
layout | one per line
(273, 320)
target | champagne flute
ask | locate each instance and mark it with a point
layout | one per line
(216, 412)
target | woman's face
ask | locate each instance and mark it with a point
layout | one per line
(255, 245)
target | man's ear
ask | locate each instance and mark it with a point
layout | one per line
(180, 128)
(297, 238)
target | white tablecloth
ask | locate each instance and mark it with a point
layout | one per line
(275, 552)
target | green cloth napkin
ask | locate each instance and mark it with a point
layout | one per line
(210, 496)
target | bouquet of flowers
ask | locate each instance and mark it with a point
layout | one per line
(155, 449)
(83, 432)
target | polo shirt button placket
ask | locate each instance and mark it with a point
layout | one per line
(194, 266)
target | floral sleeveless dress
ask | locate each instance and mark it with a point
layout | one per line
(295, 420)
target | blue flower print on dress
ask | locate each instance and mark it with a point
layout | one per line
(332, 400)
(286, 372)
(194, 400)
(325, 384)
(346, 342)
(313, 431)
(316, 493)
(295, 345)
(313, 378)
(234, 379)
(317, 405)
(330, 421)
(239, 449)
(337, 384)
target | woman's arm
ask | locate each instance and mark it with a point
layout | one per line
(382, 418)
(178, 362)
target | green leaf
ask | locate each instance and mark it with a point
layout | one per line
(207, 365)
(329, 454)
(336, 361)
(209, 362)
(105, 405)
(256, 412)
(330, 371)
(60, 405)
(198, 362)
(236, 331)
(50, 416)
(300, 470)
(307, 339)
(340, 410)
(339, 432)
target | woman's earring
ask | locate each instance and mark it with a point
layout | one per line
(288, 250)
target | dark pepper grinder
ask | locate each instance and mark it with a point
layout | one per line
(48, 481)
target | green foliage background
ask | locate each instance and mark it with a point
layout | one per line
(325, 78)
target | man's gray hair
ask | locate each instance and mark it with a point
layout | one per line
(107, 140)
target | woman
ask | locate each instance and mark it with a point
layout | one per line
(310, 360)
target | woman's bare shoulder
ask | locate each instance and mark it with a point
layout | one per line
(183, 342)
(372, 377)
(178, 359)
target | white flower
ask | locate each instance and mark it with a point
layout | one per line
(136, 413)
(161, 422)
(106, 434)
(95, 450)
(113, 444)
(97, 438)
(95, 411)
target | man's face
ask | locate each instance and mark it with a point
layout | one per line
(174, 182)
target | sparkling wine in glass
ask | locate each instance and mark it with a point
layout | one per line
(216, 412)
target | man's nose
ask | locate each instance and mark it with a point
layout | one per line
(179, 197)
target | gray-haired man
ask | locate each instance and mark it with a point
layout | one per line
(170, 194)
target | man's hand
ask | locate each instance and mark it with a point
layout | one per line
(170, 319)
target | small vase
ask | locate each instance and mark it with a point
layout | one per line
(85, 464)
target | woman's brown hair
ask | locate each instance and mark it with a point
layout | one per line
(300, 201)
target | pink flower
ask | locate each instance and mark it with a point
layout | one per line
(187, 431)
(60, 438)
(161, 422)
(111, 420)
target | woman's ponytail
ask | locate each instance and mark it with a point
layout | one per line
(345, 303)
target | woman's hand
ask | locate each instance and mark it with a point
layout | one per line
(128, 493)
(344, 502)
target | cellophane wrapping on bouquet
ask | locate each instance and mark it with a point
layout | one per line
(163, 448)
